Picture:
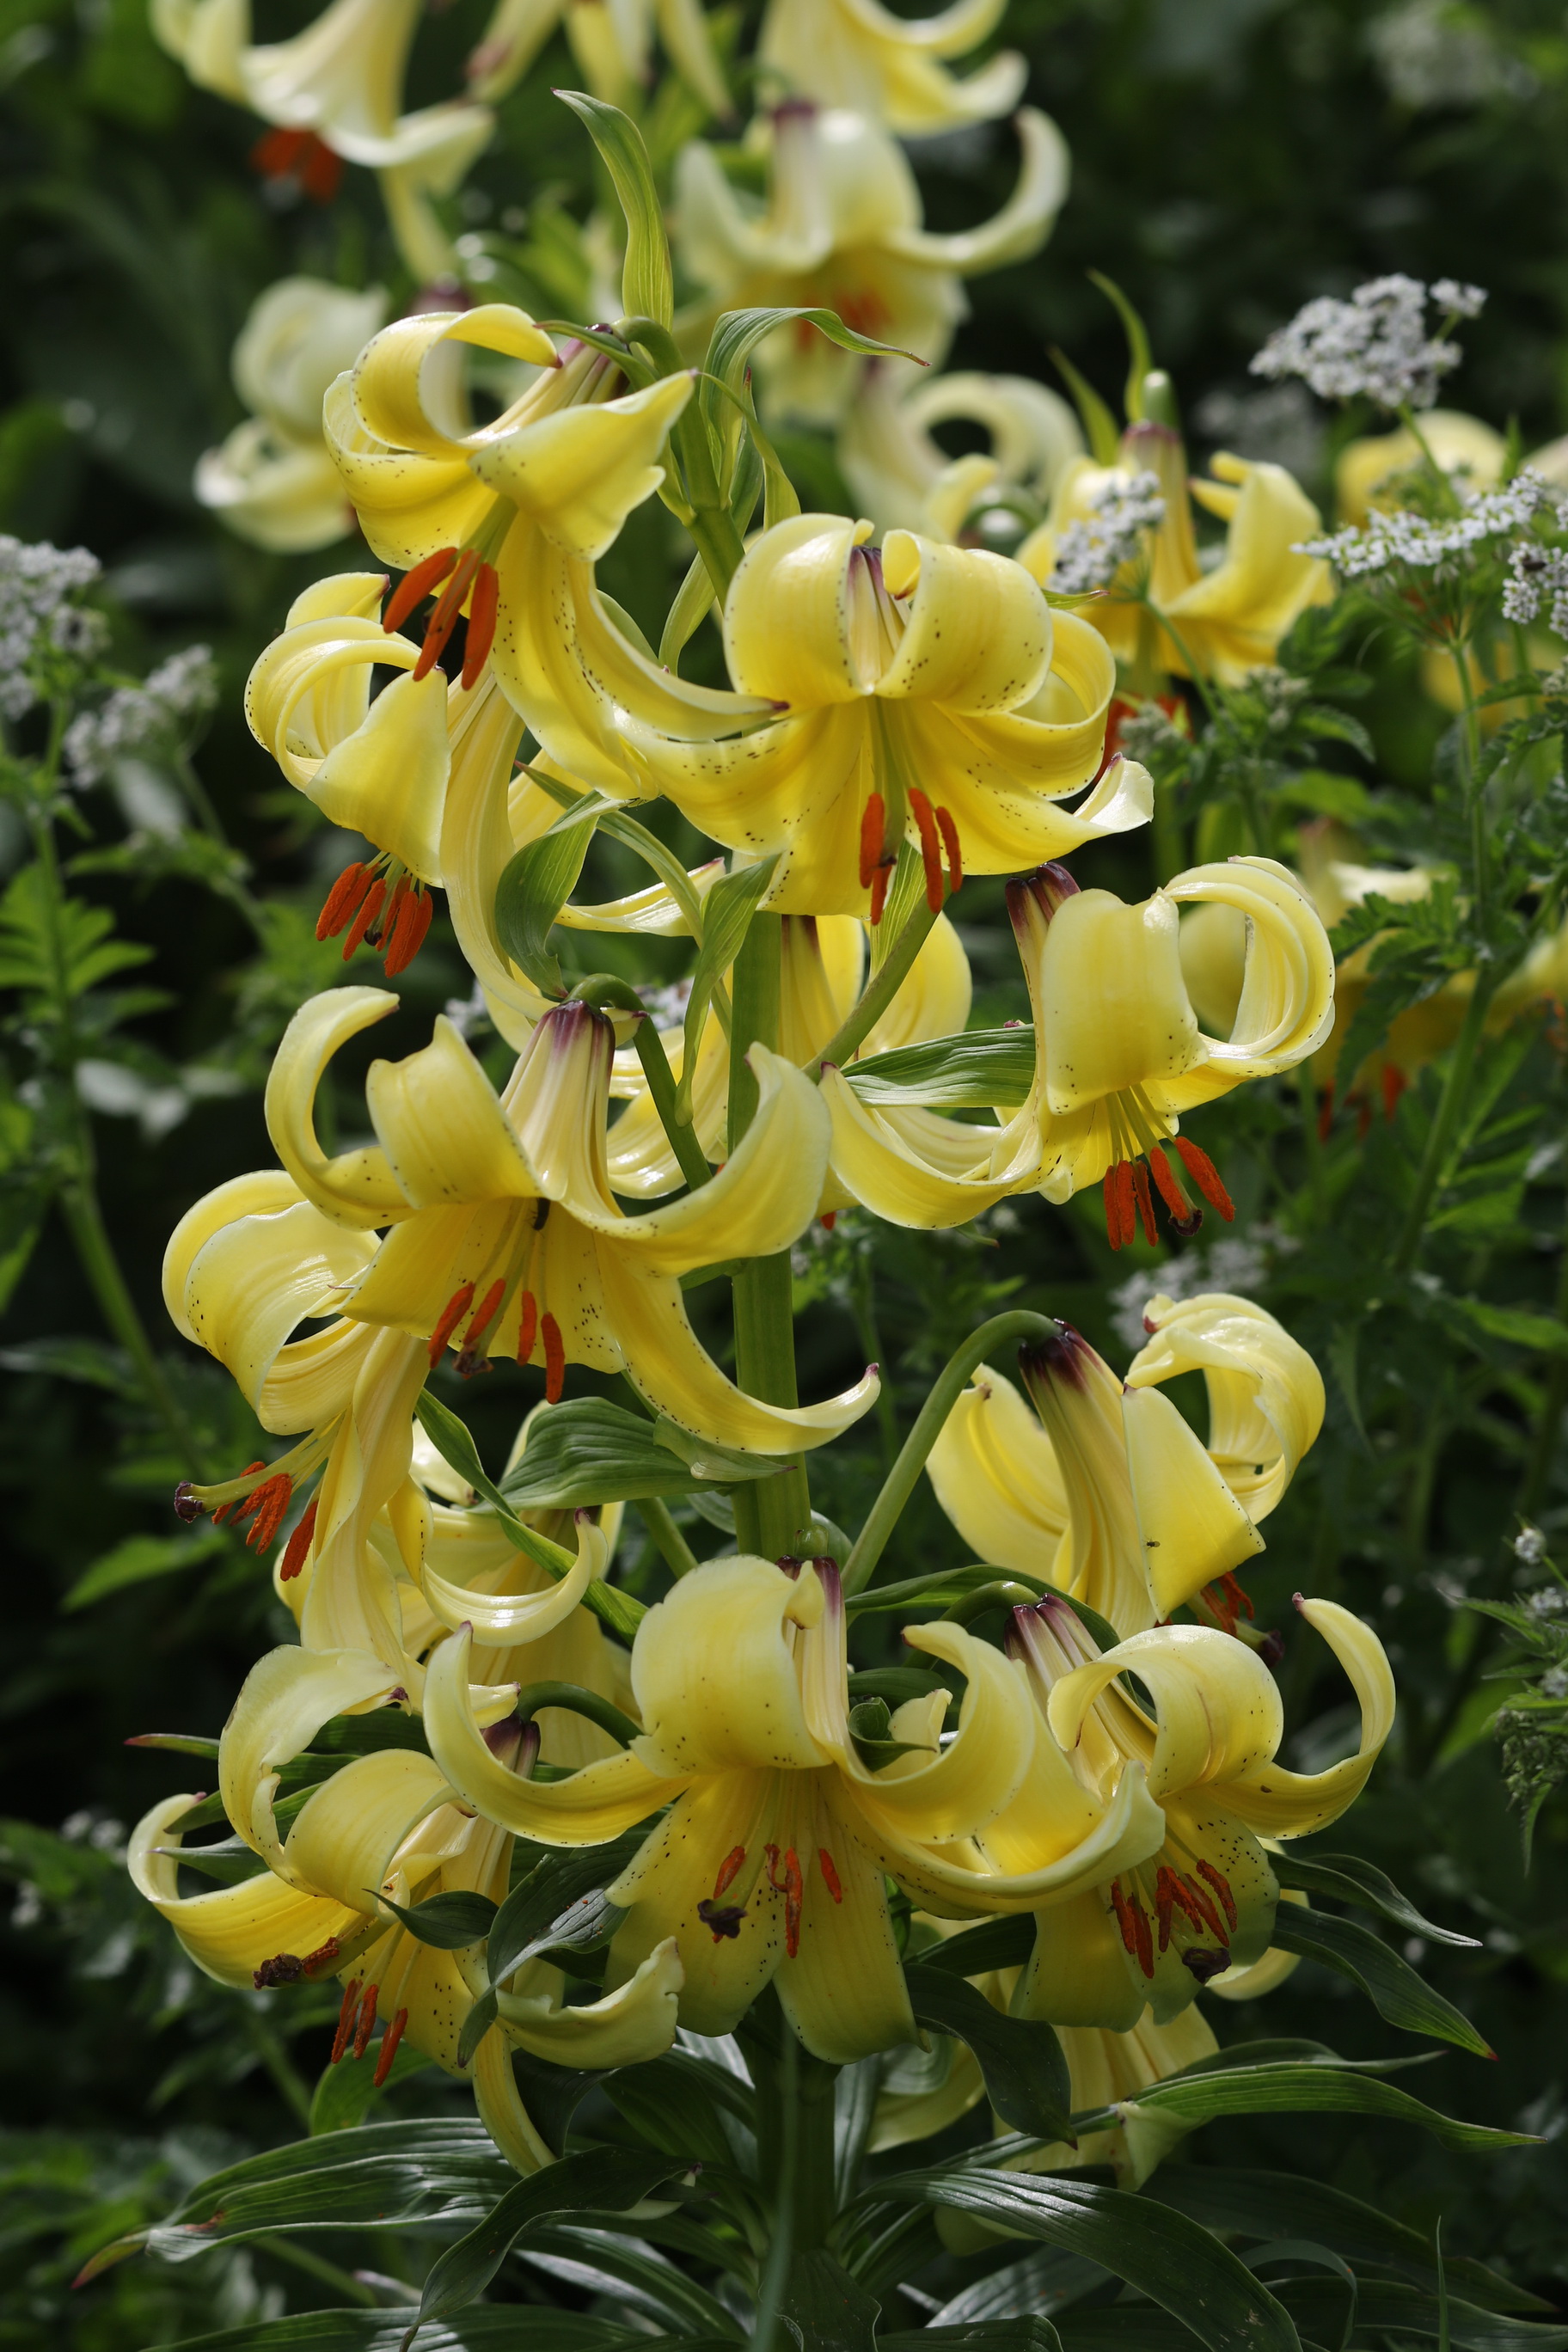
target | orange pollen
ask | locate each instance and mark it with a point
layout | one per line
(416, 586)
(828, 1868)
(389, 2042)
(1118, 1209)
(370, 908)
(873, 819)
(947, 826)
(930, 848)
(342, 901)
(323, 1956)
(1170, 1188)
(407, 935)
(828, 1220)
(1123, 1911)
(366, 2025)
(452, 1313)
(1164, 1902)
(444, 619)
(728, 1869)
(299, 1544)
(1144, 1200)
(1209, 1915)
(1141, 1930)
(482, 609)
(485, 1314)
(299, 155)
(1221, 1884)
(528, 1327)
(879, 881)
(345, 2020)
(554, 1360)
(241, 1503)
(1206, 1177)
(269, 1503)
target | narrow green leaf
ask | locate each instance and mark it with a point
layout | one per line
(693, 602)
(606, 2178)
(1100, 427)
(824, 2309)
(1387, 1979)
(141, 1558)
(1047, 2279)
(1184, 2269)
(1004, 1943)
(1542, 1334)
(1140, 358)
(648, 279)
(344, 2094)
(527, 1921)
(422, 2173)
(1025, 2074)
(533, 888)
(727, 914)
(588, 1450)
(452, 1922)
(737, 333)
(1350, 1880)
(1314, 2089)
(597, 2258)
(1387, 2309)
(1023, 2334)
(488, 2328)
(476, 2026)
(976, 1071)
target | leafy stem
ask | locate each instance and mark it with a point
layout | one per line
(1450, 1109)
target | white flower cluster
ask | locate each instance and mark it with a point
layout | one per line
(37, 615)
(1438, 544)
(136, 716)
(1091, 551)
(1375, 344)
(1433, 53)
(1540, 574)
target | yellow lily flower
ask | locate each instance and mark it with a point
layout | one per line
(1205, 1901)
(1461, 445)
(901, 476)
(770, 1864)
(272, 479)
(337, 87)
(611, 41)
(929, 693)
(1162, 603)
(1119, 1056)
(841, 229)
(857, 54)
(1070, 1496)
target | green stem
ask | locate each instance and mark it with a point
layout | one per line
(904, 1476)
(575, 1700)
(880, 991)
(1450, 1109)
(713, 526)
(795, 2147)
(689, 1155)
(1537, 1482)
(772, 1514)
(1311, 1142)
(677, 1554)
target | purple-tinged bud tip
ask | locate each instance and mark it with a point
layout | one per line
(187, 1506)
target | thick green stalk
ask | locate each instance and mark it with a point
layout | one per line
(902, 1480)
(677, 1554)
(795, 2147)
(1450, 1109)
(682, 1139)
(772, 1514)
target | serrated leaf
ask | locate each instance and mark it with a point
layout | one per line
(727, 914)
(588, 1450)
(1025, 2073)
(139, 1559)
(606, 2178)
(1350, 1880)
(450, 1922)
(976, 1071)
(648, 279)
(533, 888)
(1389, 1981)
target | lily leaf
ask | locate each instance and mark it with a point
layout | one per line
(533, 888)
(870, 1727)
(1314, 2088)
(142, 1557)
(528, 1920)
(1350, 1880)
(1004, 1943)
(346, 2091)
(824, 2309)
(452, 1922)
(974, 1071)
(648, 279)
(1021, 2059)
(488, 2328)
(425, 2173)
(589, 1451)
(1382, 1974)
(727, 914)
(737, 333)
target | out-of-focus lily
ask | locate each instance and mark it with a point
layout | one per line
(903, 479)
(334, 93)
(1161, 610)
(841, 229)
(928, 693)
(857, 54)
(272, 479)
(1205, 1901)
(771, 1865)
(1462, 446)
(1109, 1494)
(611, 41)
(1119, 1056)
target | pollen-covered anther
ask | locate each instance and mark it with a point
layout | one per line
(728, 1870)
(298, 1549)
(475, 1355)
(268, 1505)
(873, 823)
(829, 1870)
(554, 1360)
(370, 908)
(343, 899)
(1185, 1219)
(389, 2042)
(302, 157)
(227, 1510)
(451, 1314)
(345, 2019)
(879, 881)
(1205, 1176)
(1221, 1884)
(444, 619)
(483, 606)
(948, 826)
(366, 2025)
(417, 584)
(931, 847)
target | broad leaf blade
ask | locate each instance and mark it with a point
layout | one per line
(588, 1452)
(1389, 1981)
(527, 1919)
(974, 1071)
(648, 281)
(533, 888)
(1025, 2073)
(1349, 1879)
(1197, 2097)
(452, 1922)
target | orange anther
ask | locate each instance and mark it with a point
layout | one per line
(345, 2020)
(728, 1869)
(366, 2025)
(1144, 1199)
(953, 846)
(879, 881)
(270, 1503)
(484, 1314)
(416, 586)
(554, 1360)
(482, 610)
(1119, 1209)
(389, 2042)
(1171, 1191)
(1144, 1939)
(930, 848)
(1164, 1902)
(1205, 1176)
(1206, 1912)
(342, 901)
(241, 1503)
(829, 1218)
(528, 1327)
(1123, 1911)
(825, 1862)
(444, 619)
(299, 1544)
(403, 934)
(370, 908)
(452, 1313)
(1221, 1884)
(873, 819)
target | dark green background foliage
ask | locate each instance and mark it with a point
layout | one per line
(1231, 157)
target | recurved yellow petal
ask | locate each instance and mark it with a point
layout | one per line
(635, 2023)
(714, 1673)
(442, 1127)
(283, 1702)
(356, 1188)
(580, 472)
(1193, 1528)
(1217, 1703)
(996, 1476)
(1283, 1804)
(1265, 1393)
(229, 1932)
(1113, 1005)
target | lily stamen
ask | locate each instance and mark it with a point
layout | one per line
(930, 848)
(528, 1328)
(873, 823)
(554, 1360)
(389, 2042)
(416, 586)
(451, 1314)
(444, 619)
(382, 903)
(475, 1356)
(366, 2025)
(226, 1510)
(728, 1870)
(1205, 1176)
(948, 827)
(879, 881)
(345, 2020)
(826, 1863)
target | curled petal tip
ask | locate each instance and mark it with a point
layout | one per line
(1298, 1600)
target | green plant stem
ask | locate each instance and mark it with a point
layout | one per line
(689, 1155)
(1536, 1484)
(1450, 1109)
(904, 1476)
(677, 1553)
(880, 991)
(575, 1700)
(711, 524)
(773, 1513)
(794, 2144)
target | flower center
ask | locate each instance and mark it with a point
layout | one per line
(1141, 1151)
(1183, 1908)
(382, 904)
(535, 1331)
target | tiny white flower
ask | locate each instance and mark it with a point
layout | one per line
(1091, 550)
(1376, 344)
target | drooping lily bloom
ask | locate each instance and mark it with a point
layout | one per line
(901, 476)
(1204, 1902)
(272, 481)
(383, 1823)
(334, 93)
(1119, 1056)
(1109, 1494)
(857, 54)
(841, 230)
(611, 41)
(928, 693)
(1225, 620)
(770, 1864)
